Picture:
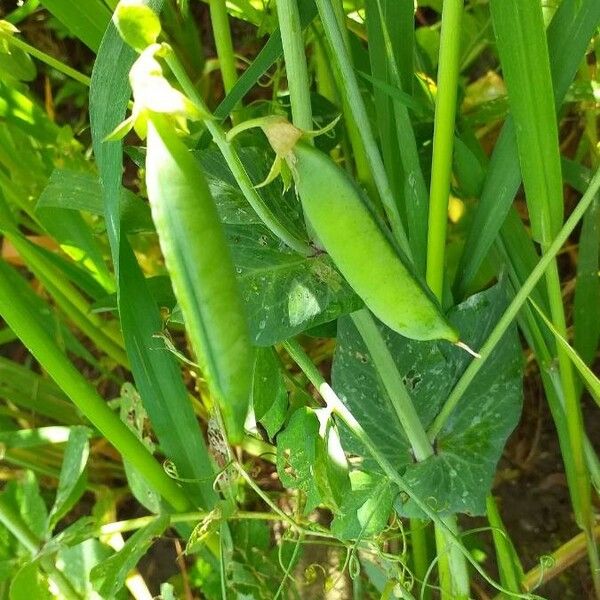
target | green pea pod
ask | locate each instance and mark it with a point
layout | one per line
(199, 262)
(360, 250)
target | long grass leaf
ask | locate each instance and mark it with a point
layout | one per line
(568, 36)
(84, 396)
(592, 383)
(85, 20)
(156, 372)
(587, 290)
(521, 42)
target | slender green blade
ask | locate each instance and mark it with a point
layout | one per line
(86, 20)
(521, 42)
(587, 290)
(14, 311)
(156, 372)
(568, 37)
(591, 381)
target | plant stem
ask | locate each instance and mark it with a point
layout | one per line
(295, 63)
(47, 59)
(452, 567)
(83, 395)
(511, 312)
(235, 164)
(400, 399)
(419, 553)
(220, 27)
(355, 104)
(443, 140)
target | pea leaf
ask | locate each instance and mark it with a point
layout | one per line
(269, 395)
(458, 476)
(366, 509)
(284, 293)
(296, 454)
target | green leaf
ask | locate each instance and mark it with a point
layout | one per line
(85, 20)
(592, 383)
(366, 508)
(72, 481)
(331, 466)
(569, 33)
(30, 438)
(108, 577)
(457, 477)
(284, 293)
(18, 64)
(586, 324)
(296, 455)
(27, 389)
(269, 394)
(24, 496)
(48, 318)
(77, 190)
(138, 25)
(156, 372)
(79, 560)
(523, 49)
(132, 413)
(30, 582)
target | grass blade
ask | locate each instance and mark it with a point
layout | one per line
(587, 290)
(85, 20)
(156, 372)
(592, 383)
(83, 395)
(521, 42)
(568, 36)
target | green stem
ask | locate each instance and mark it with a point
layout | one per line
(514, 307)
(509, 566)
(235, 164)
(295, 63)
(84, 396)
(222, 33)
(452, 566)
(419, 552)
(355, 104)
(17, 526)
(47, 59)
(394, 386)
(443, 140)
(572, 408)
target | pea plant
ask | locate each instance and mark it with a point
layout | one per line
(270, 298)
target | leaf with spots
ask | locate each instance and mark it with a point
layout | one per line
(284, 293)
(459, 475)
(366, 508)
(269, 394)
(296, 452)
